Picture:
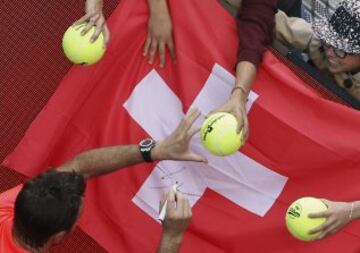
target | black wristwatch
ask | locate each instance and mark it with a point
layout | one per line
(145, 147)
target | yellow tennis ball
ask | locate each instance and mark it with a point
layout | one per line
(297, 221)
(218, 134)
(78, 49)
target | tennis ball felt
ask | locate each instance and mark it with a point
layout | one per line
(218, 134)
(297, 220)
(78, 49)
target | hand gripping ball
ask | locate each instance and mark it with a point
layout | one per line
(218, 134)
(78, 49)
(297, 220)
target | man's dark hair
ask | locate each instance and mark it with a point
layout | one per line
(47, 205)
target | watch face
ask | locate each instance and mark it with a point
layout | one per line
(146, 143)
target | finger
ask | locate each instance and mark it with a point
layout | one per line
(162, 200)
(240, 121)
(325, 214)
(162, 54)
(193, 131)
(153, 48)
(245, 129)
(171, 48)
(322, 227)
(331, 230)
(180, 202)
(190, 117)
(186, 123)
(88, 26)
(99, 28)
(190, 210)
(83, 19)
(320, 237)
(171, 199)
(147, 45)
(326, 202)
(187, 209)
(106, 36)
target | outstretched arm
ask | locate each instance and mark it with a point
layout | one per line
(255, 22)
(97, 162)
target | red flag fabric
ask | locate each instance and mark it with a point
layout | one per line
(294, 132)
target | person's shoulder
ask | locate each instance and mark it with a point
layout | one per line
(7, 201)
(8, 197)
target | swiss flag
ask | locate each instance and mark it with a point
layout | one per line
(309, 145)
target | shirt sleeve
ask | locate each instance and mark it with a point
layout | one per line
(7, 201)
(256, 23)
(295, 32)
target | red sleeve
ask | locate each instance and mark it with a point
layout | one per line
(7, 198)
(7, 201)
(256, 23)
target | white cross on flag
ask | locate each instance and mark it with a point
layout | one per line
(237, 177)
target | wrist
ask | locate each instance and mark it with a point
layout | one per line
(157, 7)
(157, 152)
(239, 94)
(97, 3)
(355, 212)
(171, 236)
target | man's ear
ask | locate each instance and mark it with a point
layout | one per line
(57, 238)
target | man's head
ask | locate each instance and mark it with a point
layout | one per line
(340, 36)
(48, 207)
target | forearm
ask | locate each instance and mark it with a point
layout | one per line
(97, 162)
(157, 6)
(169, 243)
(256, 21)
(245, 76)
(93, 6)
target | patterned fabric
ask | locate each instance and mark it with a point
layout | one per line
(316, 9)
(342, 29)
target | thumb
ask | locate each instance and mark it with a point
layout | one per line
(195, 157)
(240, 123)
